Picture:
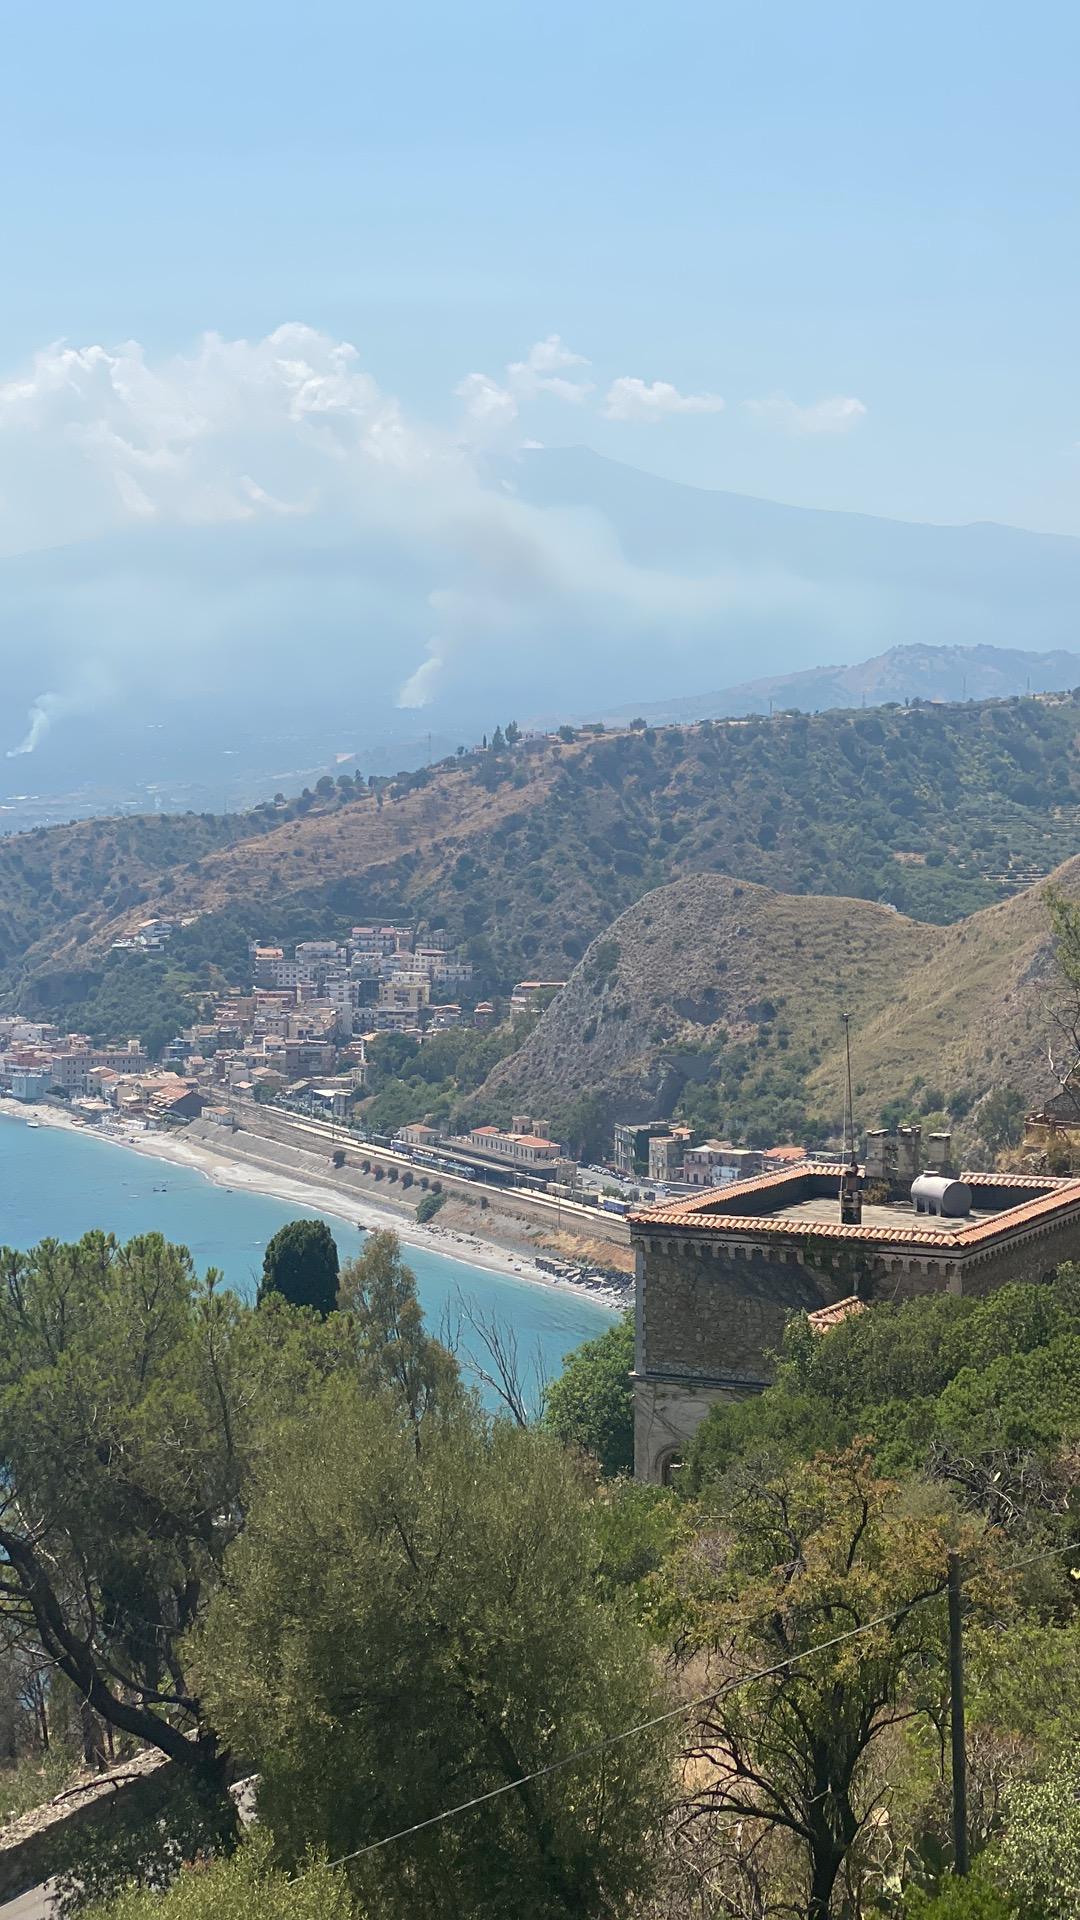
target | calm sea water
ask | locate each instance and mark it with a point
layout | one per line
(59, 1184)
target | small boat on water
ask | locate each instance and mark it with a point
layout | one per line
(33, 1123)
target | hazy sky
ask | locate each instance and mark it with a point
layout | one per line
(855, 226)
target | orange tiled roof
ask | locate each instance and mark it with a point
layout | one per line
(1048, 1196)
(826, 1317)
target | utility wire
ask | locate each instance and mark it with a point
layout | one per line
(675, 1713)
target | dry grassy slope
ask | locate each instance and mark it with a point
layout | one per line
(696, 959)
(960, 1007)
(536, 851)
(974, 1014)
(358, 843)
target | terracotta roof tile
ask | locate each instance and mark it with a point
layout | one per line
(826, 1317)
(1048, 1197)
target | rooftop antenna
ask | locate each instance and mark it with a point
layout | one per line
(850, 1179)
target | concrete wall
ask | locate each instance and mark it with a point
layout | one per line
(28, 1846)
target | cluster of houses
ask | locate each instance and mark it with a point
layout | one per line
(672, 1156)
(36, 1061)
(297, 1033)
(385, 980)
(379, 980)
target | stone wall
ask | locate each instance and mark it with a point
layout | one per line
(716, 1313)
(667, 1414)
(710, 1312)
(1030, 1259)
(708, 1318)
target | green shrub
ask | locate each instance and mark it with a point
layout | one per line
(243, 1887)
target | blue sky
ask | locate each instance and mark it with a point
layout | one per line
(785, 205)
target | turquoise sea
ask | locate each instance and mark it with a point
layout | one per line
(59, 1184)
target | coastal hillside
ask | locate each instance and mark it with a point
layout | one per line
(525, 854)
(58, 885)
(721, 1002)
(715, 999)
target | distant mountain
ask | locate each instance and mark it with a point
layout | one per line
(1007, 572)
(197, 664)
(903, 674)
(807, 584)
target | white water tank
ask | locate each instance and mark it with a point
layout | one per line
(936, 1193)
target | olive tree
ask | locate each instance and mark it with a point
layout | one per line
(131, 1394)
(822, 1580)
(406, 1627)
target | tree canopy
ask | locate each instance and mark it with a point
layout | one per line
(426, 1633)
(243, 1886)
(301, 1541)
(794, 1563)
(591, 1404)
(301, 1264)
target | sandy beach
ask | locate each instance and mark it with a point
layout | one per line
(237, 1175)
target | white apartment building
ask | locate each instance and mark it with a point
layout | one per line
(716, 1164)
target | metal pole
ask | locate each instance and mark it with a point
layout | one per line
(850, 1110)
(956, 1720)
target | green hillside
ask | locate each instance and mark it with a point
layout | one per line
(526, 855)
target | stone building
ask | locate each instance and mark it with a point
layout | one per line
(717, 1276)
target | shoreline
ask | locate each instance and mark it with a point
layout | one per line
(299, 1188)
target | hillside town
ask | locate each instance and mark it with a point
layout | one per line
(297, 1036)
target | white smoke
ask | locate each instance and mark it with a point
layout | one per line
(39, 719)
(234, 516)
(419, 687)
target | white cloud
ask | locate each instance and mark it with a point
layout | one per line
(551, 355)
(543, 369)
(631, 399)
(91, 436)
(835, 415)
(485, 401)
(229, 516)
(491, 405)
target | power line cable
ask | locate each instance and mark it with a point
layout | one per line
(674, 1713)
